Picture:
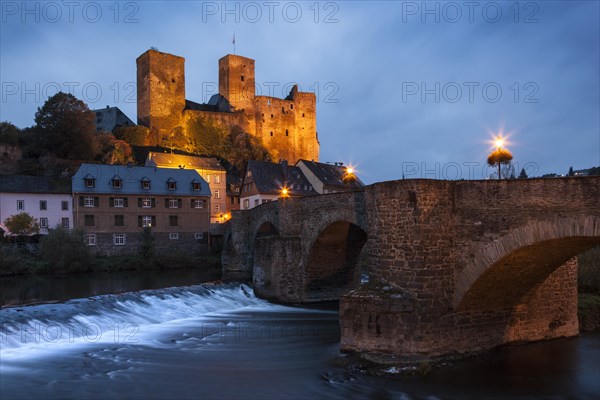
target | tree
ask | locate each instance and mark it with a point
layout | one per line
(523, 174)
(22, 224)
(9, 133)
(134, 135)
(64, 250)
(499, 157)
(65, 126)
(147, 244)
(571, 172)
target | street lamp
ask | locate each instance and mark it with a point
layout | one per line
(499, 156)
(284, 193)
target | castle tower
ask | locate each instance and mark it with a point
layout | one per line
(160, 91)
(236, 81)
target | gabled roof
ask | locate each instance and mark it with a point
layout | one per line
(132, 177)
(270, 178)
(32, 184)
(169, 160)
(331, 174)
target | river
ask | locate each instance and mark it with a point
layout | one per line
(220, 341)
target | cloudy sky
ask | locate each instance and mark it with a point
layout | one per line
(404, 88)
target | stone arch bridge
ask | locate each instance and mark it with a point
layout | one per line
(455, 266)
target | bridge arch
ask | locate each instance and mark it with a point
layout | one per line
(506, 272)
(332, 260)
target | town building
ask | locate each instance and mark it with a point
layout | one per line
(40, 197)
(209, 168)
(286, 126)
(234, 184)
(265, 181)
(110, 118)
(114, 203)
(329, 178)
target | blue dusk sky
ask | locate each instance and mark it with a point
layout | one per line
(403, 88)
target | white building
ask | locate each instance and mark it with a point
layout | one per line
(39, 197)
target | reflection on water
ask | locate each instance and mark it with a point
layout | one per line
(31, 289)
(220, 341)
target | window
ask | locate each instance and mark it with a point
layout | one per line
(173, 203)
(43, 222)
(119, 202)
(90, 182)
(291, 106)
(255, 202)
(197, 203)
(119, 220)
(207, 178)
(199, 236)
(145, 184)
(146, 202)
(171, 184)
(90, 239)
(65, 223)
(249, 173)
(43, 205)
(117, 183)
(217, 194)
(174, 236)
(88, 201)
(246, 203)
(146, 221)
(217, 179)
(286, 133)
(20, 204)
(64, 205)
(173, 220)
(302, 115)
(271, 133)
(196, 186)
(217, 208)
(242, 78)
(119, 239)
(88, 220)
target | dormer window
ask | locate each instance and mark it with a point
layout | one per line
(172, 184)
(145, 183)
(195, 185)
(117, 182)
(90, 181)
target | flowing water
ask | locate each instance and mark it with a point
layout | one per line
(220, 341)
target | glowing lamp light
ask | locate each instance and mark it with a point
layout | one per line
(349, 170)
(499, 142)
(284, 192)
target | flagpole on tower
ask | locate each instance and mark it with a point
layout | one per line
(234, 42)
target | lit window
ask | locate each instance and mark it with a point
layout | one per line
(43, 222)
(146, 202)
(174, 236)
(217, 194)
(197, 203)
(246, 203)
(88, 201)
(20, 204)
(43, 205)
(249, 173)
(119, 202)
(90, 239)
(173, 203)
(65, 223)
(217, 179)
(146, 221)
(119, 239)
(64, 205)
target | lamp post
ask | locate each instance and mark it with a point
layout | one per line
(499, 156)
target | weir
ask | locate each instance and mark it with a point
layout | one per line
(455, 266)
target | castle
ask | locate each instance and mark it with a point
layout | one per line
(287, 126)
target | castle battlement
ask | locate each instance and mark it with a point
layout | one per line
(287, 127)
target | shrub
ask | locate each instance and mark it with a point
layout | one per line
(64, 251)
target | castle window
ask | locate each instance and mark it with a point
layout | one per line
(302, 115)
(283, 110)
(291, 106)
(173, 80)
(271, 115)
(242, 78)
(262, 115)
(271, 133)
(286, 133)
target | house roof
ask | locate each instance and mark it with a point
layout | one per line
(270, 178)
(132, 177)
(32, 184)
(331, 174)
(169, 160)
